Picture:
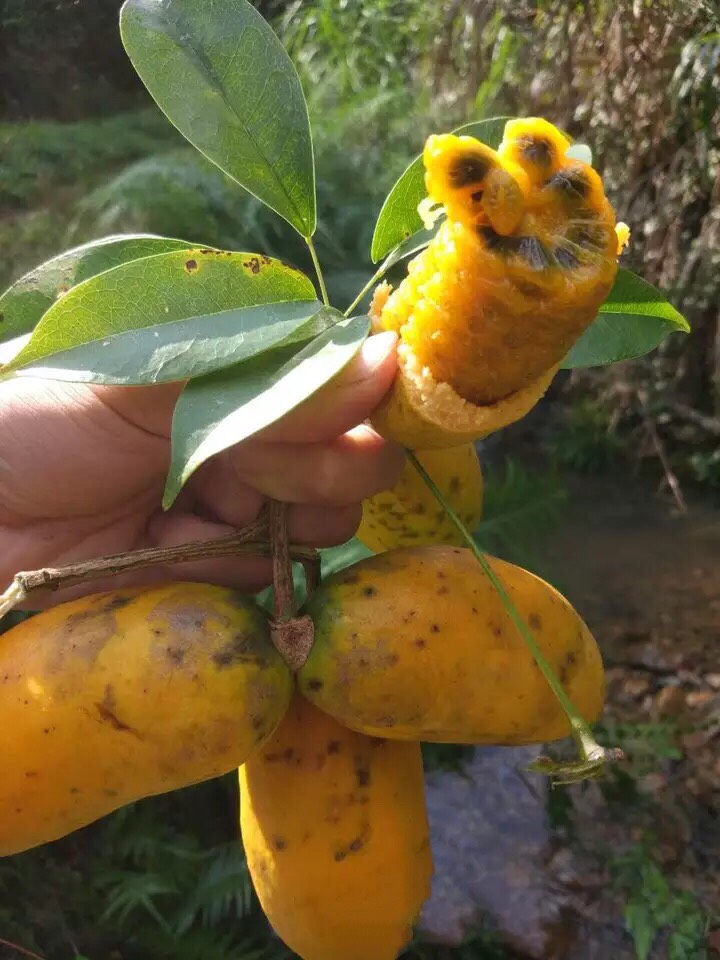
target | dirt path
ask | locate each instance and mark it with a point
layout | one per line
(647, 580)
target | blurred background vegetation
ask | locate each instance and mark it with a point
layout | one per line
(83, 153)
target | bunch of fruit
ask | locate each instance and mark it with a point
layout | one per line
(127, 694)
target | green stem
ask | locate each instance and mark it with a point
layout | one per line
(590, 751)
(318, 270)
(378, 275)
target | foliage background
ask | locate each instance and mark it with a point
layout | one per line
(84, 154)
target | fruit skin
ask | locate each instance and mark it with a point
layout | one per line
(513, 276)
(336, 837)
(415, 644)
(122, 695)
(409, 515)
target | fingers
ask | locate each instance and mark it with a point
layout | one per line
(344, 402)
(341, 471)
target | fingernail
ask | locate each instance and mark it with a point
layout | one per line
(378, 348)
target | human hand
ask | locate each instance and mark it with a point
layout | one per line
(82, 471)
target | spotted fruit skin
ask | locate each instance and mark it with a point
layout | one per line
(336, 837)
(121, 695)
(415, 644)
(516, 272)
(409, 514)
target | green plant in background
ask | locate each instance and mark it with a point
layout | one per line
(655, 909)
(587, 439)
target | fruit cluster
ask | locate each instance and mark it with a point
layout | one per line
(127, 694)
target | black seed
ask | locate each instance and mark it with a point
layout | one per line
(532, 250)
(565, 258)
(571, 182)
(536, 149)
(468, 170)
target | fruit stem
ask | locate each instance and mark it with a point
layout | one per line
(283, 586)
(318, 270)
(592, 754)
(293, 636)
(378, 275)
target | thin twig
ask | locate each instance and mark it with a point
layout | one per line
(251, 539)
(703, 420)
(25, 952)
(670, 477)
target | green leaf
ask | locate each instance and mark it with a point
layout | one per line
(635, 318)
(24, 303)
(186, 348)
(399, 219)
(169, 287)
(224, 80)
(220, 410)
(335, 559)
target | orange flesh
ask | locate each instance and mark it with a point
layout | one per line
(517, 271)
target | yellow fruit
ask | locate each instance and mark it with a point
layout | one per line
(409, 514)
(121, 695)
(336, 837)
(415, 644)
(514, 275)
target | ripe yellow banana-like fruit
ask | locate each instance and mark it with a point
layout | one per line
(409, 515)
(336, 837)
(121, 695)
(416, 644)
(526, 256)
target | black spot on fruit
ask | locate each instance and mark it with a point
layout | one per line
(314, 684)
(434, 628)
(362, 775)
(339, 856)
(535, 621)
(420, 643)
(369, 591)
(357, 844)
(175, 655)
(237, 650)
(333, 747)
(280, 843)
(106, 710)
(115, 603)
